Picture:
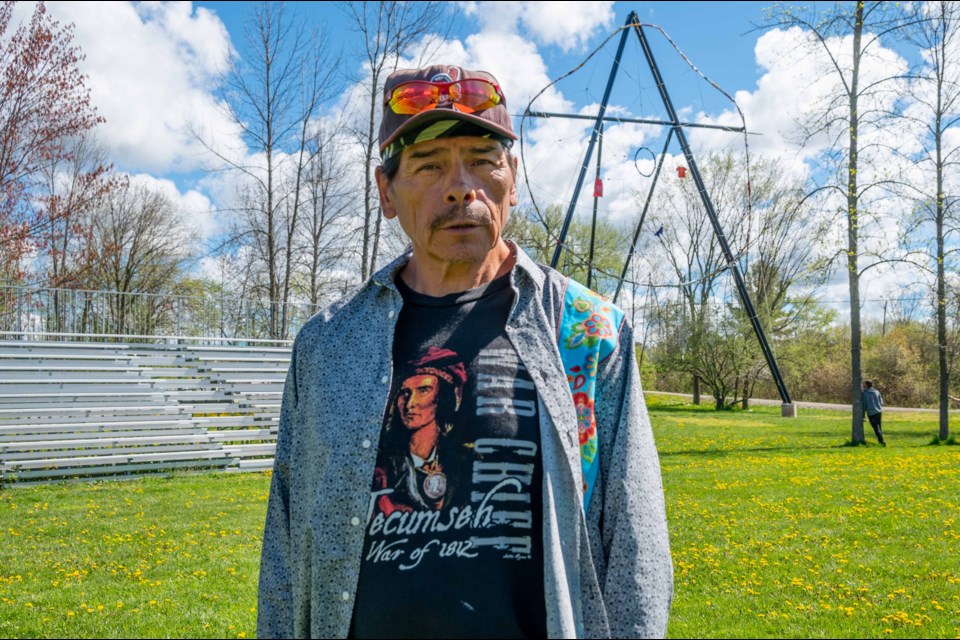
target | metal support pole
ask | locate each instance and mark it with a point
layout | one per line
(643, 215)
(593, 141)
(596, 201)
(711, 212)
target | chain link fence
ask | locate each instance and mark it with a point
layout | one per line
(26, 311)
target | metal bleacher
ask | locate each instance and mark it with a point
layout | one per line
(79, 409)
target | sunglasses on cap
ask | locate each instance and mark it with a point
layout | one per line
(467, 96)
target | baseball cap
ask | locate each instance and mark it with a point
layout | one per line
(443, 119)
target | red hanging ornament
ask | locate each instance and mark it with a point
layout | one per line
(681, 172)
(598, 188)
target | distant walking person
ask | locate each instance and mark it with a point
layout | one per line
(873, 408)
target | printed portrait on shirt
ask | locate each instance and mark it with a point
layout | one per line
(420, 458)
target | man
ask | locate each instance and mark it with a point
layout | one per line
(873, 408)
(557, 525)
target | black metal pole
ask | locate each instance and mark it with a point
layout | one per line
(643, 215)
(593, 141)
(708, 205)
(596, 201)
(577, 116)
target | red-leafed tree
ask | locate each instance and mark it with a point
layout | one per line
(44, 103)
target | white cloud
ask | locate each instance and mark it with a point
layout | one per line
(568, 25)
(151, 67)
(194, 208)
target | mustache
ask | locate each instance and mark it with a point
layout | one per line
(476, 214)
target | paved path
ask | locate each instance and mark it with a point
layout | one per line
(706, 398)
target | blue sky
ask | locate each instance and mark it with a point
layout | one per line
(154, 68)
(713, 35)
(716, 35)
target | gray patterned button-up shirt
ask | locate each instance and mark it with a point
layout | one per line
(607, 573)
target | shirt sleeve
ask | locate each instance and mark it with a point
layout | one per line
(275, 610)
(638, 581)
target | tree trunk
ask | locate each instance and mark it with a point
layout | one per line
(853, 232)
(942, 366)
(696, 390)
(368, 186)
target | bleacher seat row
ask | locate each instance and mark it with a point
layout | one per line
(96, 410)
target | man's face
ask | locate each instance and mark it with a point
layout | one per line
(452, 197)
(417, 401)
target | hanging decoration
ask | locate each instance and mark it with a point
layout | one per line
(598, 188)
(681, 172)
(636, 157)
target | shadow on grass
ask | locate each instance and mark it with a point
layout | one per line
(846, 444)
(673, 408)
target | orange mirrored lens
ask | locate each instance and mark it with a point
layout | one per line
(414, 97)
(474, 95)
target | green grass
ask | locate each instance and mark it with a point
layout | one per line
(157, 557)
(777, 529)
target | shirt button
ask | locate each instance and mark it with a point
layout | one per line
(383, 379)
(390, 315)
(365, 444)
(345, 596)
(355, 521)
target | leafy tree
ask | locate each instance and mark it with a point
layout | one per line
(44, 103)
(537, 234)
(769, 223)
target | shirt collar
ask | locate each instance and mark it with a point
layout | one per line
(386, 276)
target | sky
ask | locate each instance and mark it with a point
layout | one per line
(154, 70)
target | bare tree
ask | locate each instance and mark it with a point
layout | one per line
(847, 117)
(390, 30)
(74, 186)
(329, 200)
(275, 93)
(141, 245)
(936, 108)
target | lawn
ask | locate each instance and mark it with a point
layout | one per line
(777, 528)
(780, 530)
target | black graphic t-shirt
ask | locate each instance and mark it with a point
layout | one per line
(453, 542)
